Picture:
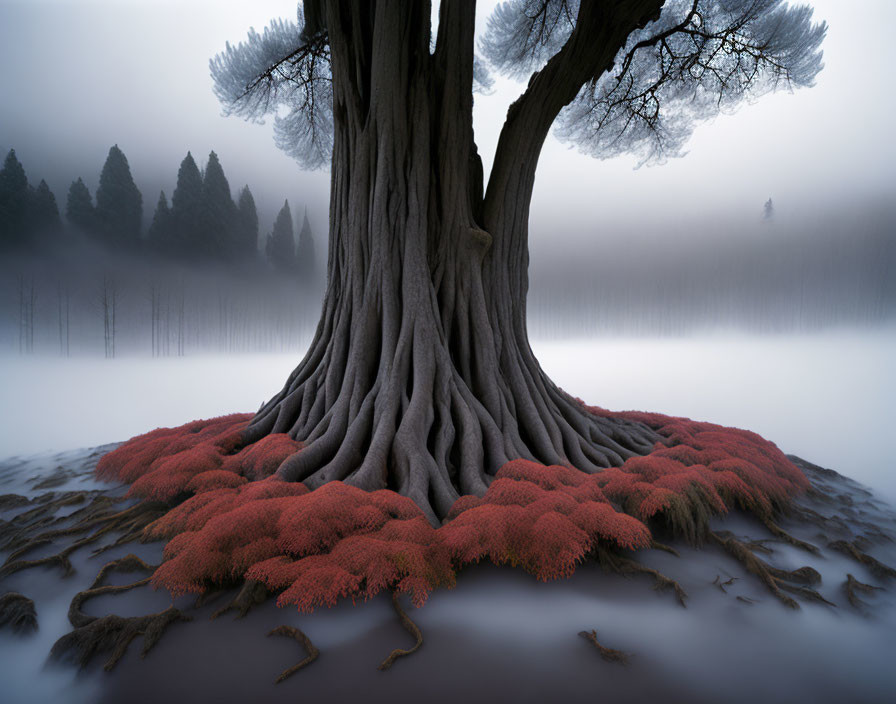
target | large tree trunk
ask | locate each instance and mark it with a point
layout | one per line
(420, 377)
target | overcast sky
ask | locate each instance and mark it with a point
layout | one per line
(77, 76)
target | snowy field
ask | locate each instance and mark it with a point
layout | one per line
(826, 397)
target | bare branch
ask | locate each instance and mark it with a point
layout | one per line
(700, 58)
(283, 71)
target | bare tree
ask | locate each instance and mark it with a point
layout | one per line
(26, 298)
(420, 376)
(63, 305)
(109, 307)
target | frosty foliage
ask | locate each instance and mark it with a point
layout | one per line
(523, 34)
(700, 58)
(284, 73)
(482, 78)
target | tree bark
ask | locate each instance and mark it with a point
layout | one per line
(420, 377)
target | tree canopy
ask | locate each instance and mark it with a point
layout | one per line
(119, 204)
(688, 61)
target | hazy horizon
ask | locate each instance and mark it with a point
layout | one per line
(818, 145)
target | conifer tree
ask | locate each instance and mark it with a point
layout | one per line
(13, 202)
(305, 252)
(160, 235)
(280, 247)
(247, 226)
(44, 212)
(187, 209)
(119, 204)
(219, 232)
(79, 210)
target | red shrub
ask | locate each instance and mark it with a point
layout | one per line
(261, 459)
(341, 542)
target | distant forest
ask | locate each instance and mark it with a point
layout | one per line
(84, 276)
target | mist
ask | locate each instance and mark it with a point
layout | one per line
(751, 283)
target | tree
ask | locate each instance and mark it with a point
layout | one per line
(79, 210)
(119, 204)
(420, 377)
(281, 244)
(187, 209)
(44, 218)
(247, 225)
(768, 210)
(13, 202)
(160, 229)
(305, 252)
(218, 233)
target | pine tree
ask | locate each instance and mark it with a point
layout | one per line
(44, 213)
(219, 227)
(247, 226)
(13, 202)
(305, 253)
(160, 234)
(79, 210)
(119, 204)
(187, 210)
(280, 247)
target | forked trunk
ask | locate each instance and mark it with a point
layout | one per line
(420, 377)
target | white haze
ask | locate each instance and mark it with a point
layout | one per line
(79, 75)
(826, 397)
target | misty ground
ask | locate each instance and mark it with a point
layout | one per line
(823, 396)
(499, 634)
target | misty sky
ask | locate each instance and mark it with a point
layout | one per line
(77, 76)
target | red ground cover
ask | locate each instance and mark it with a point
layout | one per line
(239, 521)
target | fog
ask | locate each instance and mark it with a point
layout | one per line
(663, 288)
(81, 75)
(825, 396)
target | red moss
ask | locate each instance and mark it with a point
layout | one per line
(239, 521)
(168, 462)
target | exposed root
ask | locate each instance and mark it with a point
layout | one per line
(829, 524)
(721, 585)
(304, 641)
(128, 563)
(746, 599)
(8, 501)
(759, 546)
(878, 569)
(778, 532)
(130, 522)
(112, 633)
(655, 545)
(608, 654)
(410, 627)
(251, 594)
(625, 566)
(805, 592)
(17, 611)
(776, 580)
(60, 559)
(852, 585)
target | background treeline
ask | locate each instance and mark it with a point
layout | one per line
(200, 278)
(202, 223)
(85, 275)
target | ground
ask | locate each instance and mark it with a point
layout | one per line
(655, 631)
